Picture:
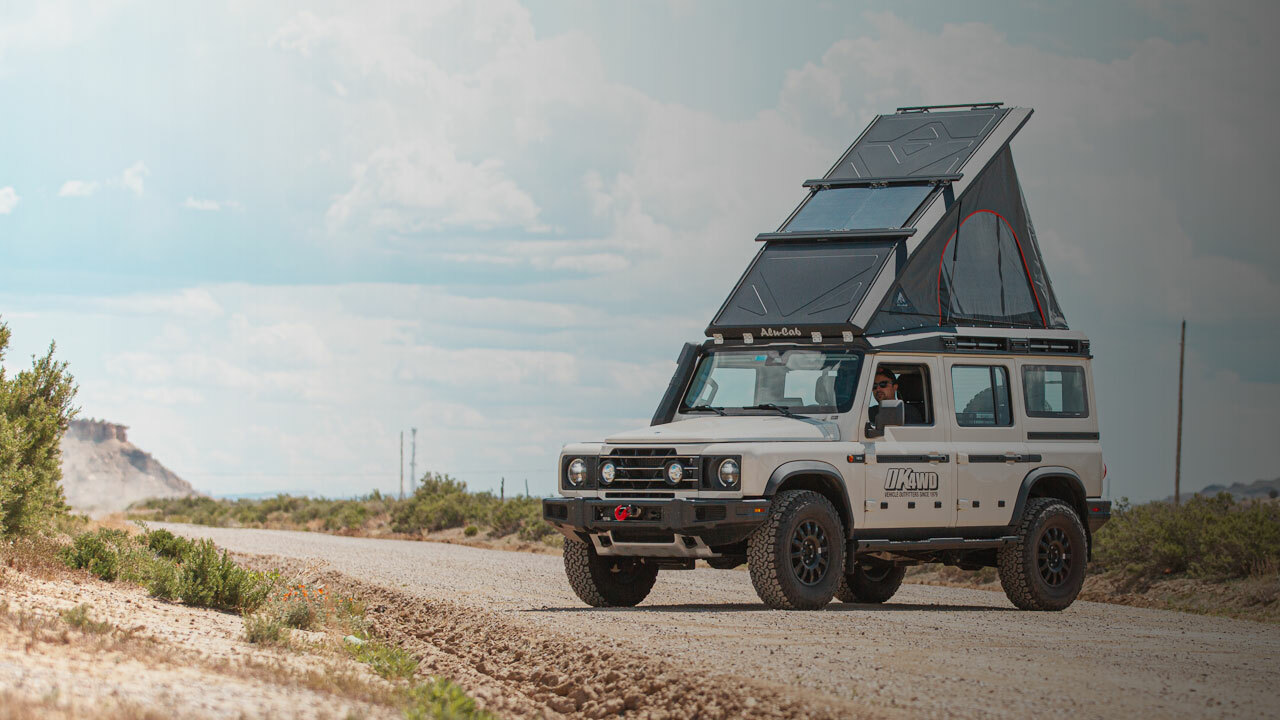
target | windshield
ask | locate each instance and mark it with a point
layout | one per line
(814, 381)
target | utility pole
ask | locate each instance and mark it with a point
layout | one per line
(1177, 463)
(401, 464)
(502, 490)
(526, 487)
(413, 461)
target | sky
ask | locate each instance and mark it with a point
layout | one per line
(270, 237)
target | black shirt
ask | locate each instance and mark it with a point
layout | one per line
(910, 415)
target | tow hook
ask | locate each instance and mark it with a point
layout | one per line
(622, 512)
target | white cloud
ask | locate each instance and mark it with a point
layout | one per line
(8, 200)
(192, 203)
(133, 176)
(78, 188)
(425, 186)
(190, 303)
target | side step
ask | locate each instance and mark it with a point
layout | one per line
(862, 546)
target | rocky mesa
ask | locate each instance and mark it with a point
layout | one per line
(103, 472)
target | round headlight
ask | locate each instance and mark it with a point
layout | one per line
(577, 473)
(608, 472)
(675, 473)
(729, 472)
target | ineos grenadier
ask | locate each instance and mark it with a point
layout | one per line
(891, 382)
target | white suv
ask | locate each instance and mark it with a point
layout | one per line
(867, 399)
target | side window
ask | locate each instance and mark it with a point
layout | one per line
(1055, 391)
(981, 395)
(910, 384)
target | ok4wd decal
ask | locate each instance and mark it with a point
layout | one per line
(905, 482)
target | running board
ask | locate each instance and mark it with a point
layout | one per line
(862, 546)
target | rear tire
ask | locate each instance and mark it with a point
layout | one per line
(607, 581)
(870, 583)
(797, 555)
(1044, 570)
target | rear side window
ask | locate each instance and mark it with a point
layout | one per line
(981, 395)
(1055, 391)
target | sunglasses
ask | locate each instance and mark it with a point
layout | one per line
(881, 384)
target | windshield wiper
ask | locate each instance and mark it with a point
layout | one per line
(772, 406)
(716, 410)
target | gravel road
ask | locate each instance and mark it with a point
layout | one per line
(931, 651)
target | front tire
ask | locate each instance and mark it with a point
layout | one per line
(607, 581)
(870, 583)
(796, 557)
(1044, 570)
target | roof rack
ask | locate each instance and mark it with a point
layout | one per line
(876, 181)
(927, 108)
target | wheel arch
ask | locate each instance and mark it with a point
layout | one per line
(820, 477)
(1055, 482)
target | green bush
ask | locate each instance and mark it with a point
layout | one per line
(442, 700)
(35, 410)
(471, 531)
(265, 629)
(210, 579)
(165, 581)
(388, 661)
(1211, 538)
(167, 545)
(78, 618)
(98, 552)
(300, 614)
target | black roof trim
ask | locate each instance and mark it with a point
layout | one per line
(991, 345)
(870, 234)
(871, 182)
(966, 106)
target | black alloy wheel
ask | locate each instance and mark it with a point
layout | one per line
(1053, 556)
(810, 553)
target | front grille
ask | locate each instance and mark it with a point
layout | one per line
(645, 469)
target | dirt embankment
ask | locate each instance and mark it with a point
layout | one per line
(73, 646)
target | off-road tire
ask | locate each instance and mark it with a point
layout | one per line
(1045, 569)
(607, 581)
(806, 518)
(870, 583)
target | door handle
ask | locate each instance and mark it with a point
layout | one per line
(1012, 457)
(936, 457)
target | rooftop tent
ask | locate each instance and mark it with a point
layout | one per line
(848, 259)
(980, 265)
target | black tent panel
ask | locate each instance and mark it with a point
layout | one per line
(808, 285)
(980, 265)
(920, 143)
(859, 208)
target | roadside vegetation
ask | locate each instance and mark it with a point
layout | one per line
(41, 541)
(1213, 555)
(440, 503)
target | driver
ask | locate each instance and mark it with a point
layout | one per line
(884, 388)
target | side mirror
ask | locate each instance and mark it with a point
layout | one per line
(892, 413)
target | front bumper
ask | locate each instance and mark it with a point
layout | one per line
(1099, 513)
(713, 522)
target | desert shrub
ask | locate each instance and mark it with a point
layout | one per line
(210, 579)
(265, 629)
(388, 661)
(35, 410)
(1208, 537)
(471, 531)
(167, 545)
(98, 552)
(441, 699)
(78, 618)
(300, 614)
(440, 502)
(165, 580)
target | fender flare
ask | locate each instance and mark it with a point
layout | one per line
(829, 476)
(1073, 480)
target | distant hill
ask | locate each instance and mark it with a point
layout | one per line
(1256, 490)
(103, 472)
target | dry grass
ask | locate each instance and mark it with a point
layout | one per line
(18, 707)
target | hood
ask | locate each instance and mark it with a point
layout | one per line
(739, 428)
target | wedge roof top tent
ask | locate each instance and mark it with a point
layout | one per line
(920, 228)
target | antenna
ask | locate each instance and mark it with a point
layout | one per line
(401, 464)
